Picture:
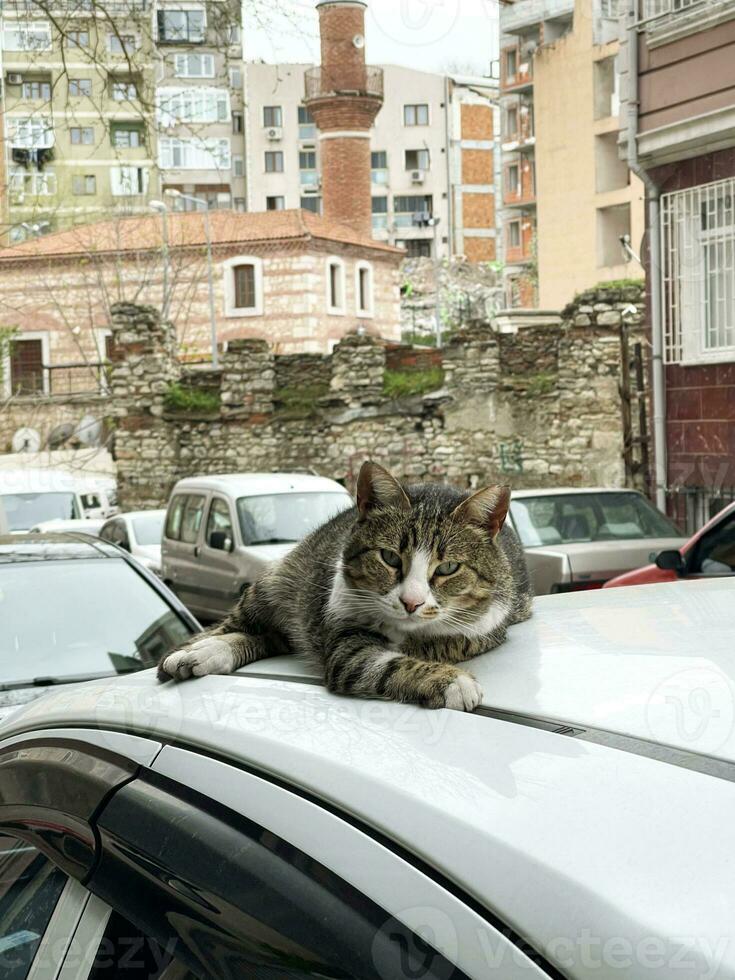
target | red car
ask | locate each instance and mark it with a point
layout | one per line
(710, 553)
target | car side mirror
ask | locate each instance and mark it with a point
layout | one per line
(670, 561)
(220, 540)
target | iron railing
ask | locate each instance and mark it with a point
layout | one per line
(365, 80)
(650, 10)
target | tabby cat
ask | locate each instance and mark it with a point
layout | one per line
(387, 596)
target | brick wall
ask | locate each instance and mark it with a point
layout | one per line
(480, 249)
(477, 166)
(476, 122)
(478, 210)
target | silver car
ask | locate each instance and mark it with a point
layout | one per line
(578, 539)
(222, 532)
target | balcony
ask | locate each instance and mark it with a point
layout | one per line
(518, 131)
(517, 17)
(516, 73)
(519, 235)
(364, 80)
(519, 183)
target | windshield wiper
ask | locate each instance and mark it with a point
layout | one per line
(50, 681)
(274, 541)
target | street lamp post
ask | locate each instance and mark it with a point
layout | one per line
(172, 192)
(161, 208)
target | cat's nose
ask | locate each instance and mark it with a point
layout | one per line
(410, 606)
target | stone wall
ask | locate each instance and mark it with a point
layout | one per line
(536, 407)
(467, 291)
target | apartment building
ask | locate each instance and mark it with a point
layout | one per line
(679, 83)
(433, 156)
(103, 109)
(568, 198)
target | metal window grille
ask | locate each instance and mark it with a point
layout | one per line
(698, 275)
(244, 286)
(652, 9)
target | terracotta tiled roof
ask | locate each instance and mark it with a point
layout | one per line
(141, 232)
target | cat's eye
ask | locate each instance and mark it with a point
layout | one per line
(391, 558)
(447, 568)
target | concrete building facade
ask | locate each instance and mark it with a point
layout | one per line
(433, 151)
(567, 195)
(680, 77)
(104, 109)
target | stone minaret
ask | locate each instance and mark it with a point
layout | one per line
(344, 96)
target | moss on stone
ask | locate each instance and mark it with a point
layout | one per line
(404, 384)
(179, 398)
(298, 401)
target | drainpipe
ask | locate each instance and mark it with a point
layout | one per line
(653, 194)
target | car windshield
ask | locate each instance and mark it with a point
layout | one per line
(147, 529)
(569, 518)
(81, 617)
(283, 517)
(22, 511)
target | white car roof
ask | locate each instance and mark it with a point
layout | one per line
(562, 491)
(131, 515)
(556, 827)
(254, 484)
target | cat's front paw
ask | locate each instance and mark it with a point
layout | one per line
(210, 655)
(463, 693)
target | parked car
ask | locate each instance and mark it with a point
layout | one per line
(84, 525)
(578, 824)
(73, 608)
(139, 532)
(35, 495)
(222, 532)
(710, 552)
(578, 539)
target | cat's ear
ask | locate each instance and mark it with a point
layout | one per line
(488, 508)
(377, 488)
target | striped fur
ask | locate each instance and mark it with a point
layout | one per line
(387, 597)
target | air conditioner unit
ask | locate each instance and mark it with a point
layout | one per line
(14, 78)
(274, 133)
(417, 176)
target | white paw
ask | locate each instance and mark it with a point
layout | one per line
(212, 655)
(463, 694)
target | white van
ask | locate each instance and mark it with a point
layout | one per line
(222, 532)
(31, 496)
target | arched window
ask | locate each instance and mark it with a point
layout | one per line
(364, 289)
(243, 286)
(335, 284)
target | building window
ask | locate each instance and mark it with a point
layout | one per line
(33, 133)
(194, 65)
(274, 161)
(308, 174)
(272, 115)
(192, 104)
(238, 167)
(235, 79)
(211, 153)
(128, 181)
(83, 184)
(127, 137)
(27, 37)
(416, 248)
(239, 204)
(237, 122)
(380, 212)
(612, 224)
(511, 124)
(36, 90)
(123, 44)
(417, 160)
(32, 184)
(312, 203)
(514, 234)
(80, 86)
(364, 289)
(335, 269)
(379, 167)
(416, 115)
(511, 65)
(698, 232)
(81, 135)
(307, 126)
(123, 90)
(408, 207)
(181, 26)
(243, 282)
(27, 375)
(275, 203)
(513, 179)
(78, 39)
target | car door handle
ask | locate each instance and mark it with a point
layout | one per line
(196, 550)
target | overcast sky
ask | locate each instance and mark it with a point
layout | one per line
(433, 35)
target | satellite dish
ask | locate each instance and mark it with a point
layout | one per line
(59, 435)
(26, 440)
(89, 431)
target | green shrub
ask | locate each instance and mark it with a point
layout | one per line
(541, 383)
(181, 399)
(298, 401)
(403, 384)
(621, 284)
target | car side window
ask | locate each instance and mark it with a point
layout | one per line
(173, 518)
(192, 518)
(108, 532)
(125, 951)
(715, 554)
(219, 518)
(30, 887)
